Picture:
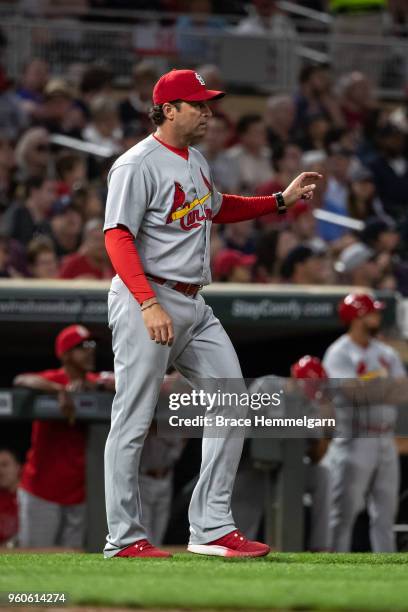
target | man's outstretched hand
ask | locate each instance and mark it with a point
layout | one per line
(302, 187)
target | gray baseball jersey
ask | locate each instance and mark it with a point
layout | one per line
(364, 470)
(167, 202)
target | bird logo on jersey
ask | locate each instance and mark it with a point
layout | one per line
(188, 213)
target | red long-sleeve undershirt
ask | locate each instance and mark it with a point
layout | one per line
(125, 259)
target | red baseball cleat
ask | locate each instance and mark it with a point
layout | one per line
(234, 544)
(142, 548)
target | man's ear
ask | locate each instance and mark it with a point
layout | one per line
(169, 111)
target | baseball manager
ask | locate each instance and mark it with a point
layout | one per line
(160, 207)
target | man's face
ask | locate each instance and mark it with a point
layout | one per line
(255, 136)
(46, 265)
(313, 270)
(46, 195)
(371, 323)
(191, 120)
(9, 471)
(217, 134)
(82, 356)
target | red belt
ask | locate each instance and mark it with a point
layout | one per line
(186, 288)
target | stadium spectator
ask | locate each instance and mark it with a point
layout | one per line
(266, 18)
(58, 110)
(315, 96)
(383, 238)
(7, 167)
(304, 226)
(87, 201)
(271, 249)
(66, 227)
(132, 133)
(240, 236)
(337, 192)
(7, 265)
(91, 260)
(252, 154)
(30, 91)
(33, 154)
(390, 170)
(316, 131)
(51, 494)
(363, 201)
(23, 221)
(192, 30)
(286, 166)
(42, 260)
(95, 81)
(357, 266)
(279, 119)
(9, 476)
(104, 129)
(357, 101)
(232, 266)
(304, 265)
(224, 168)
(71, 171)
(136, 106)
(12, 118)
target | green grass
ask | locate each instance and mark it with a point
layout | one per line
(291, 581)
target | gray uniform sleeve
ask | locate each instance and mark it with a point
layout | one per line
(129, 194)
(338, 364)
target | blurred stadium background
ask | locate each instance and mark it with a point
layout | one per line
(318, 84)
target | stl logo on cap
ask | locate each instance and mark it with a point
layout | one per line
(199, 78)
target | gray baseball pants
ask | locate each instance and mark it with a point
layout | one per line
(365, 472)
(43, 524)
(201, 350)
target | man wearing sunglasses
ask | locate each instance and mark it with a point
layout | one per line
(51, 494)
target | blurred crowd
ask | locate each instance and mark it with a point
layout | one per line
(53, 189)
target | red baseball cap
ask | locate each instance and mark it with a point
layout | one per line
(356, 305)
(228, 259)
(183, 85)
(308, 367)
(70, 337)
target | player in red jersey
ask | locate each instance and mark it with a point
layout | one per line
(51, 494)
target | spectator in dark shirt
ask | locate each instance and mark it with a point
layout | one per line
(7, 166)
(137, 105)
(66, 225)
(23, 221)
(315, 97)
(390, 170)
